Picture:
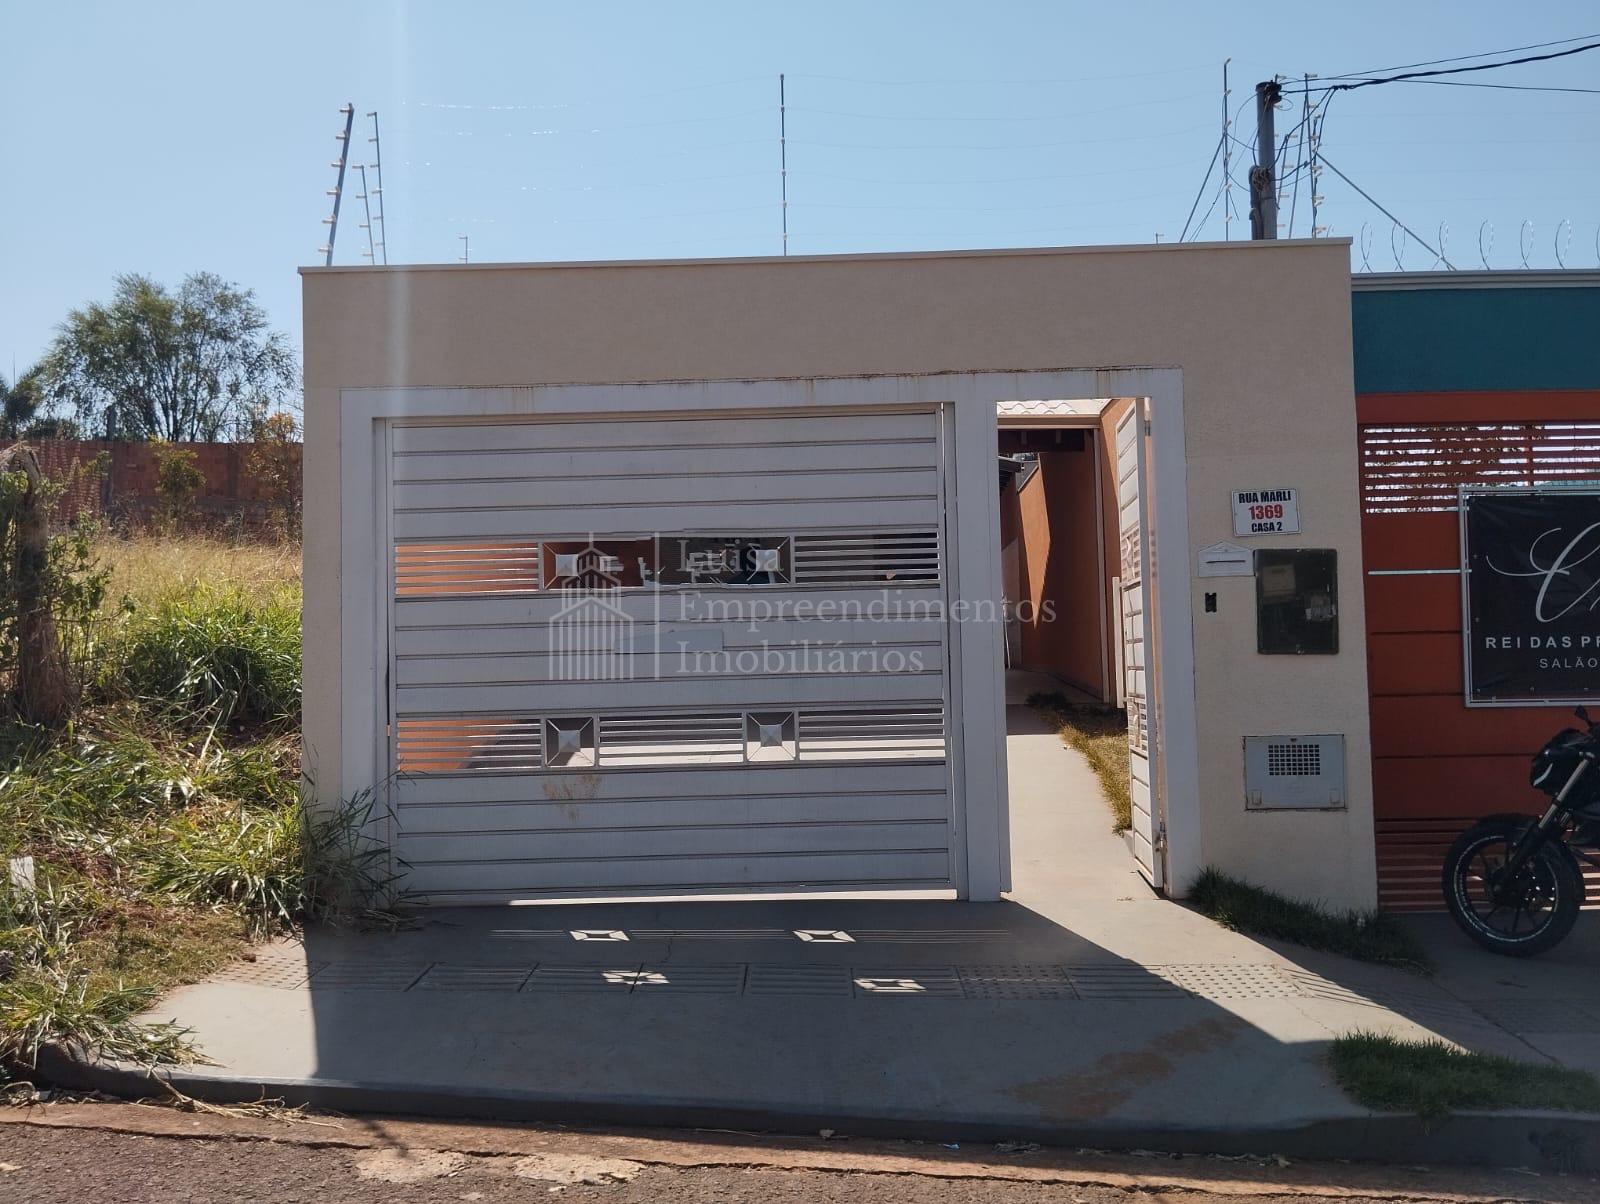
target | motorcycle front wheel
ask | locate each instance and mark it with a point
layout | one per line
(1518, 918)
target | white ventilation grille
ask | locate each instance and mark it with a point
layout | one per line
(426, 569)
(1294, 760)
(897, 558)
(468, 744)
(902, 731)
(697, 739)
(1294, 773)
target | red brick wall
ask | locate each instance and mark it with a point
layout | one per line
(129, 489)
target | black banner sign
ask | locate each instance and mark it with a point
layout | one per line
(1533, 595)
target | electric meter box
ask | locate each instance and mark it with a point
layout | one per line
(1297, 601)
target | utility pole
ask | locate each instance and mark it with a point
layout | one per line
(332, 223)
(1314, 134)
(466, 249)
(783, 159)
(1263, 185)
(367, 205)
(377, 155)
(1227, 158)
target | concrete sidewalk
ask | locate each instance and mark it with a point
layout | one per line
(1085, 1011)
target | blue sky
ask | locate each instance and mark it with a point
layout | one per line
(169, 137)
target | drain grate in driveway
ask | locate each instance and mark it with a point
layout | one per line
(820, 981)
(690, 979)
(474, 978)
(614, 980)
(1016, 982)
(1122, 982)
(283, 972)
(368, 976)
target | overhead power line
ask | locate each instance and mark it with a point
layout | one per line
(1462, 58)
(1466, 83)
(1351, 85)
(1210, 209)
(1202, 190)
(1325, 162)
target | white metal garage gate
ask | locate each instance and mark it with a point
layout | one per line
(670, 654)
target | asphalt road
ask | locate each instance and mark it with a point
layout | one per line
(96, 1158)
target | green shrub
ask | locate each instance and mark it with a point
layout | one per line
(220, 658)
(74, 792)
(247, 859)
(277, 867)
(179, 480)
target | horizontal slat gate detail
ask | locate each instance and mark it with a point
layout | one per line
(787, 734)
(1419, 468)
(1439, 765)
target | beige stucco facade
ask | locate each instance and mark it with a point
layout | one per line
(1260, 332)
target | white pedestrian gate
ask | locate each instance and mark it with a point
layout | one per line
(670, 653)
(1133, 436)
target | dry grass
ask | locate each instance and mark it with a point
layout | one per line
(1101, 735)
(152, 568)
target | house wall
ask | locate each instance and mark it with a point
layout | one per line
(1260, 331)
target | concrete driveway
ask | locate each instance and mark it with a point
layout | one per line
(1084, 1009)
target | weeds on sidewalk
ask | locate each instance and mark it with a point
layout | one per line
(1101, 735)
(62, 1007)
(1369, 936)
(164, 824)
(279, 868)
(1432, 1078)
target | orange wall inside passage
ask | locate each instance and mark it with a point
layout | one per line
(1060, 574)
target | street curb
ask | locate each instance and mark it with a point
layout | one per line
(1542, 1141)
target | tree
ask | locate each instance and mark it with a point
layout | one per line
(178, 479)
(274, 465)
(198, 364)
(19, 403)
(42, 692)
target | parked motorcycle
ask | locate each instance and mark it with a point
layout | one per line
(1513, 882)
